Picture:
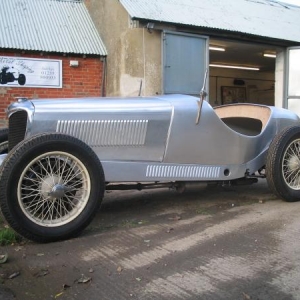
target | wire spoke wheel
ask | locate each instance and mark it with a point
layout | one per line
(291, 165)
(283, 164)
(52, 186)
(53, 189)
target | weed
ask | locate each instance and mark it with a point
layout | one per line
(8, 236)
(202, 211)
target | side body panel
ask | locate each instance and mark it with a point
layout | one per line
(157, 139)
(116, 129)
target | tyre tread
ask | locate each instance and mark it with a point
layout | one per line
(17, 154)
(273, 168)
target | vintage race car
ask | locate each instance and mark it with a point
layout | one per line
(64, 153)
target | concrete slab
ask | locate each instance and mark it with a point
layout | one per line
(208, 243)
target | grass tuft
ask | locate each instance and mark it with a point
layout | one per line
(8, 236)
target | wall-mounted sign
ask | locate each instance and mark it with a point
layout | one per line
(30, 72)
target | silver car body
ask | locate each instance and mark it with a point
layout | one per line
(157, 138)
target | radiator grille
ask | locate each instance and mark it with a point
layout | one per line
(106, 132)
(16, 128)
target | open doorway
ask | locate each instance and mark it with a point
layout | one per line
(241, 72)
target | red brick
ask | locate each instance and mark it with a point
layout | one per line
(83, 81)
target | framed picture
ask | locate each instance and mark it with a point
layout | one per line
(233, 94)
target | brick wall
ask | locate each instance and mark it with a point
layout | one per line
(83, 81)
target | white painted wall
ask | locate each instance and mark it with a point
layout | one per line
(280, 78)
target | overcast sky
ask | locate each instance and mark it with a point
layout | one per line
(295, 2)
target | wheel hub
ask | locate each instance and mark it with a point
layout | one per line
(58, 191)
(293, 163)
(51, 186)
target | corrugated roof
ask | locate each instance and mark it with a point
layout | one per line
(256, 17)
(49, 25)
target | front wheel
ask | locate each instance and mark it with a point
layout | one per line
(283, 164)
(52, 186)
(3, 79)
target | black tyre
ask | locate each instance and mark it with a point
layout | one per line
(3, 140)
(283, 164)
(51, 187)
(22, 79)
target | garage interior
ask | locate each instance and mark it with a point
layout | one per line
(241, 72)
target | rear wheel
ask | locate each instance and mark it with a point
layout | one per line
(283, 164)
(52, 187)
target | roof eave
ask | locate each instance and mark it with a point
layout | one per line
(218, 32)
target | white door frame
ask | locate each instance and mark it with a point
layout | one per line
(292, 95)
